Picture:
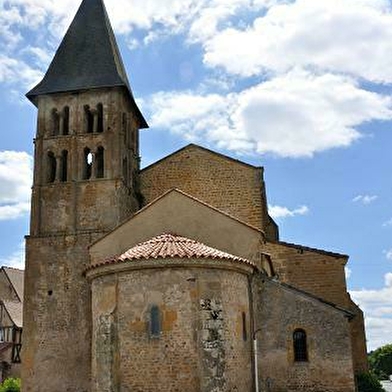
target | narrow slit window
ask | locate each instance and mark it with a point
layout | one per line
(125, 128)
(100, 162)
(244, 329)
(64, 166)
(155, 322)
(51, 167)
(100, 118)
(88, 164)
(300, 346)
(66, 121)
(125, 170)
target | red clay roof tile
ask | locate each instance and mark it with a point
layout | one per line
(172, 246)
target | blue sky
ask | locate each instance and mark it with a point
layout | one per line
(301, 87)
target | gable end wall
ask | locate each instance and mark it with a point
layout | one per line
(230, 186)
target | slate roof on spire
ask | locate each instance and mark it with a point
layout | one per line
(87, 58)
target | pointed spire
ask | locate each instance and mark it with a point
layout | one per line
(87, 58)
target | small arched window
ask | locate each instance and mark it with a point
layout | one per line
(99, 118)
(87, 163)
(300, 346)
(55, 122)
(51, 167)
(64, 166)
(100, 163)
(66, 121)
(155, 322)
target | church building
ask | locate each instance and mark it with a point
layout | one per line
(171, 277)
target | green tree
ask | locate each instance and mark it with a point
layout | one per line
(368, 382)
(380, 362)
(10, 385)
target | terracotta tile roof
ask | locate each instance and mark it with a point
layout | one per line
(171, 246)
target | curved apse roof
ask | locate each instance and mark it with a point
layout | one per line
(171, 246)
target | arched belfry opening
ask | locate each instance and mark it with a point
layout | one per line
(100, 162)
(51, 167)
(55, 122)
(88, 119)
(66, 121)
(64, 166)
(88, 160)
(99, 118)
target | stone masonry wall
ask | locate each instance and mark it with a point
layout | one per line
(69, 212)
(279, 312)
(201, 346)
(321, 274)
(232, 187)
(57, 321)
(318, 273)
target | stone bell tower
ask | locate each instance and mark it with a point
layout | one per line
(85, 183)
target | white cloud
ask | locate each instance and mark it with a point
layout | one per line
(303, 90)
(365, 199)
(388, 254)
(16, 259)
(388, 279)
(14, 211)
(348, 272)
(17, 71)
(387, 223)
(377, 307)
(277, 212)
(349, 36)
(343, 36)
(323, 111)
(15, 184)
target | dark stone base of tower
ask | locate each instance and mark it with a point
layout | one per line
(170, 278)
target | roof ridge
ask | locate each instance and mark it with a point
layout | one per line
(223, 156)
(157, 199)
(310, 249)
(13, 268)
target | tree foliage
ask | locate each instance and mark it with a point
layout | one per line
(380, 362)
(368, 382)
(10, 385)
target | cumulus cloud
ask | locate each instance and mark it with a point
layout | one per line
(388, 254)
(377, 307)
(16, 259)
(348, 272)
(294, 115)
(344, 36)
(388, 279)
(15, 180)
(387, 223)
(17, 71)
(307, 55)
(365, 199)
(277, 212)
